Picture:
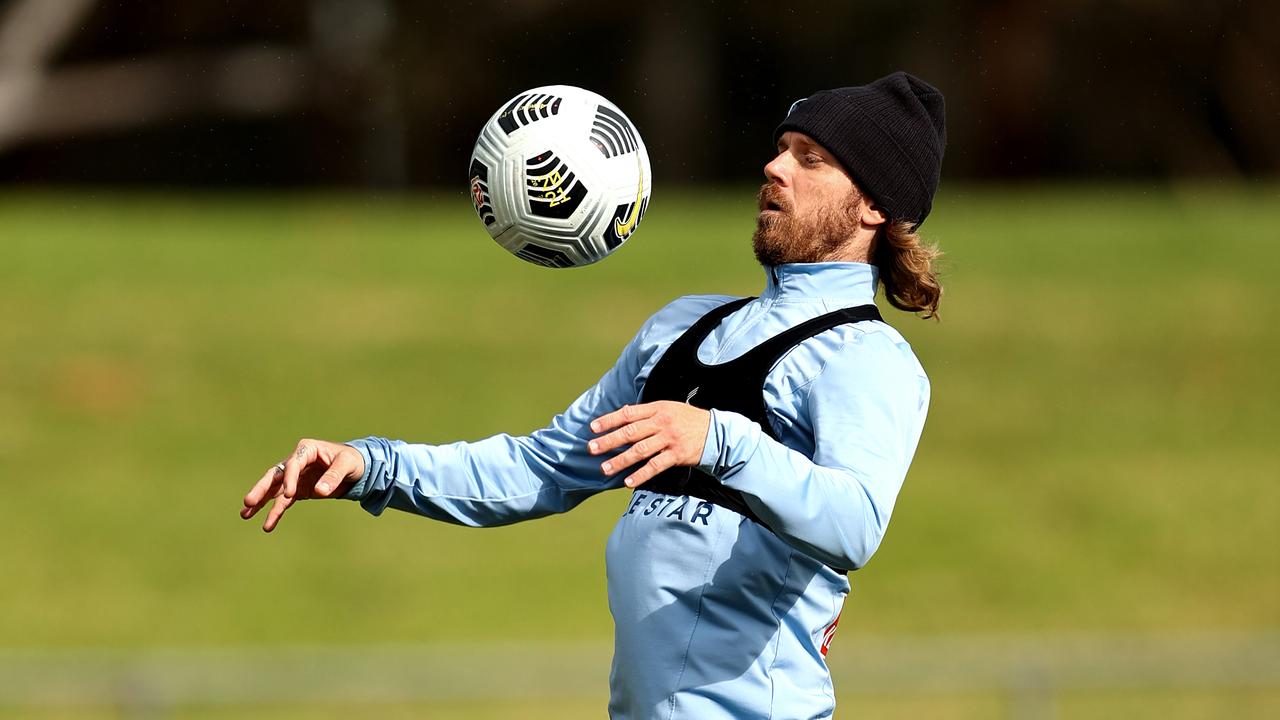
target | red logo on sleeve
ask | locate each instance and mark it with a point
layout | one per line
(828, 633)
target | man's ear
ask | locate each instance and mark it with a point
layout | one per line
(872, 215)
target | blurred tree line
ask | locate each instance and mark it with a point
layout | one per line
(392, 92)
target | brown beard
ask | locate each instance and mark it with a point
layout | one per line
(782, 237)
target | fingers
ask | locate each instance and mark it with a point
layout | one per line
(333, 479)
(664, 432)
(266, 488)
(624, 435)
(314, 469)
(634, 454)
(622, 416)
(658, 464)
(281, 504)
(302, 456)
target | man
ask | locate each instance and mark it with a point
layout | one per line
(765, 438)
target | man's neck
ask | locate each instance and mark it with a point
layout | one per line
(856, 249)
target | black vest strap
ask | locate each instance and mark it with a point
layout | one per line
(737, 385)
(689, 342)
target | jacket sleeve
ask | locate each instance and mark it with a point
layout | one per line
(867, 411)
(501, 479)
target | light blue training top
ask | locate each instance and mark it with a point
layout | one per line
(714, 615)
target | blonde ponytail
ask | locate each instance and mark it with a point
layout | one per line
(907, 270)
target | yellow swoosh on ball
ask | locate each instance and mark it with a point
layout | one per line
(624, 229)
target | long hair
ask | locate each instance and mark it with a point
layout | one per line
(907, 269)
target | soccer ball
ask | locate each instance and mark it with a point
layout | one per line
(560, 177)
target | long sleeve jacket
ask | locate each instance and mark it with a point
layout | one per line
(715, 616)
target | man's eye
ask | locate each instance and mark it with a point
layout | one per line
(812, 159)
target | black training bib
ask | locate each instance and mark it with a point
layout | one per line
(735, 386)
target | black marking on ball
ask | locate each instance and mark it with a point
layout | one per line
(527, 108)
(553, 190)
(611, 237)
(612, 134)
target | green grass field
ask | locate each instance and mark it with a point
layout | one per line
(1099, 455)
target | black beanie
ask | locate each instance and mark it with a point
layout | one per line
(889, 136)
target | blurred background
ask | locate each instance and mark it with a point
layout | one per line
(227, 225)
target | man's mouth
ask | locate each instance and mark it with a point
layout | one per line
(769, 201)
(771, 206)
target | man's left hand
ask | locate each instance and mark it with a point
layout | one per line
(667, 433)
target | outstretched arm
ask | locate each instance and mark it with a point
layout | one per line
(496, 481)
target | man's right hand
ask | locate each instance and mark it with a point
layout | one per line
(315, 469)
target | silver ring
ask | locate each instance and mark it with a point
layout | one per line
(279, 468)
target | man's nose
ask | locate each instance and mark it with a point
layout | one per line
(776, 170)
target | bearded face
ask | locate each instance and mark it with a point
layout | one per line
(817, 234)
